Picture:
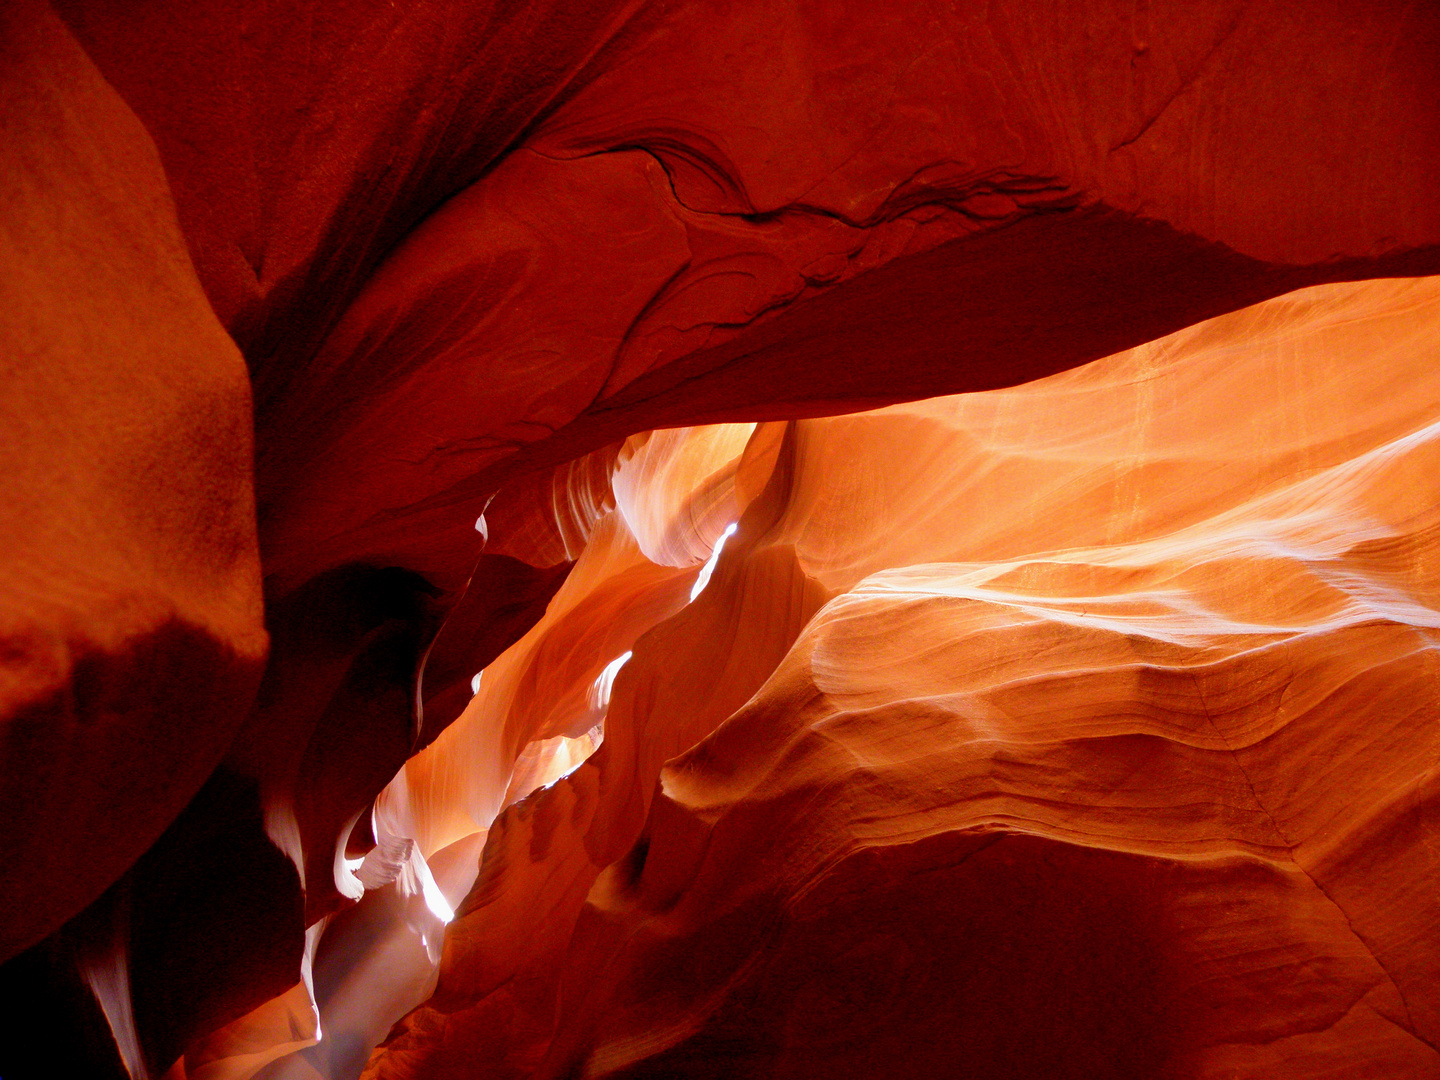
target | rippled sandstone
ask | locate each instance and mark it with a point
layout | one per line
(1077, 725)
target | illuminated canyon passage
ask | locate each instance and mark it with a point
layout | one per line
(554, 539)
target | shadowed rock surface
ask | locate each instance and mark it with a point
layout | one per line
(816, 537)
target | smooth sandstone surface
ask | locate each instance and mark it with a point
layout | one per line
(1095, 762)
(131, 634)
(1075, 725)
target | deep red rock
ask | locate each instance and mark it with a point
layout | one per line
(476, 257)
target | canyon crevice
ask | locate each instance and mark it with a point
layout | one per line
(719, 539)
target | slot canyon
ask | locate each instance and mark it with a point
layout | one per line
(803, 539)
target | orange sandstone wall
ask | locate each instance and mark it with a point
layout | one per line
(1078, 724)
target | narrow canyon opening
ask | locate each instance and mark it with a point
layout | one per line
(791, 540)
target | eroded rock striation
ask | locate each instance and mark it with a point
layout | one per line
(719, 539)
(1068, 780)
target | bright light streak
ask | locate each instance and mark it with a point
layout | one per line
(434, 898)
(709, 567)
(107, 973)
(307, 970)
(475, 683)
(605, 682)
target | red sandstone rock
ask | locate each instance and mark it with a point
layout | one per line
(1069, 778)
(130, 624)
(471, 252)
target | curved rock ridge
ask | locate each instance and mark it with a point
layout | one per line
(131, 633)
(533, 715)
(538, 300)
(675, 493)
(998, 745)
(635, 246)
(509, 238)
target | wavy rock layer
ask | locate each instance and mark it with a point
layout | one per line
(488, 265)
(1007, 746)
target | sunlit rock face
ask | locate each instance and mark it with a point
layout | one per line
(795, 539)
(1002, 746)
